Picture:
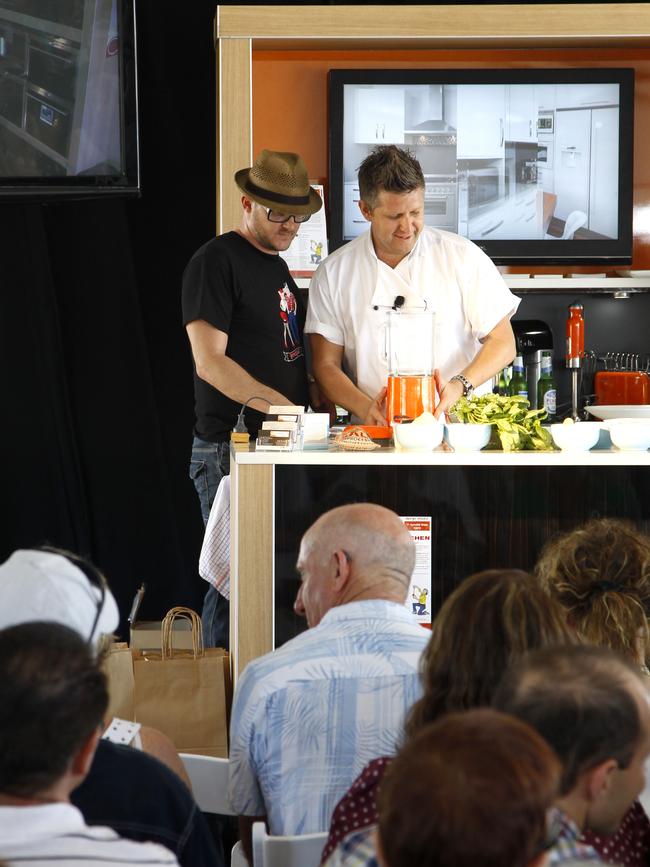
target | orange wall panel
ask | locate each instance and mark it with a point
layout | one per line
(290, 102)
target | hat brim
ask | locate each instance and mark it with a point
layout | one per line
(314, 204)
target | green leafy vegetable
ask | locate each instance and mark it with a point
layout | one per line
(517, 426)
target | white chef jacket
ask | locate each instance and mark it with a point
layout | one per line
(459, 283)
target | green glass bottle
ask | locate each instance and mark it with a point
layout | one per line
(546, 388)
(502, 387)
(518, 384)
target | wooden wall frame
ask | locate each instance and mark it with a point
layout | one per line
(241, 29)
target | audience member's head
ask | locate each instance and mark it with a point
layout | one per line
(472, 788)
(59, 587)
(491, 619)
(600, 573)
(591, 706)
(53, 697)
(352, 553)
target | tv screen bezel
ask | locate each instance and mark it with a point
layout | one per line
(127, 184)
(503, 252)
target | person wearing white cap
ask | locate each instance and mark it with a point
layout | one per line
(44, 584)
(130, 791)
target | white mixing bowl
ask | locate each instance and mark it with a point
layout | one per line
(578, 437)
(417, 436)
(467, 437)
(629, 434)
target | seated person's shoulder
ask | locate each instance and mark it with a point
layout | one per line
(132, 770)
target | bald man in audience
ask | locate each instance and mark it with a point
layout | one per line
(307, 717)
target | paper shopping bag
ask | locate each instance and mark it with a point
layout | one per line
(184, 693)
(118, 666)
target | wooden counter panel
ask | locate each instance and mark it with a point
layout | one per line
(251, 611)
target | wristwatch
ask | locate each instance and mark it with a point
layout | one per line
(468, 388)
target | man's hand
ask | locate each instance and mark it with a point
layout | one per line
(376, 412)
(449, 393)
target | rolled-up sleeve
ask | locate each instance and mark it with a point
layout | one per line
(322, 316)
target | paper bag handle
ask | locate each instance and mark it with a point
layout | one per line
(167, 627)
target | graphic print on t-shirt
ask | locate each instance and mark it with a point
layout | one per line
(291, 337)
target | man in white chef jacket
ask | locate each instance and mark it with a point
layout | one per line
(355, 286)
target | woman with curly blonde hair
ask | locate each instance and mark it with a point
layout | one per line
(600, 575)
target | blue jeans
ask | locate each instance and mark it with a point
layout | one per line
(210, 462)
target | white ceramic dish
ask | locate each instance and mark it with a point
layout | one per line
(466, 437)
(629, 434)
(628, 410)
(417, 436)
(578, 437)
(628, 273)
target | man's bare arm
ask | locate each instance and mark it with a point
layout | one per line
(497, 351)
(338, 387)
(213, 365)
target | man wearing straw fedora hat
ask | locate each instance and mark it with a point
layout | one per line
(244, 317)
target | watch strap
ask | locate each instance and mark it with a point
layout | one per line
(468, 388)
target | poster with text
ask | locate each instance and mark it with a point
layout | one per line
(309, 247)
(418, 600)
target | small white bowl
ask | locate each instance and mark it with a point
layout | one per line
(578, 437)
(417, 436)
(629, 434)
(467, 437)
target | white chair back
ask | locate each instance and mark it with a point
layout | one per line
(237, 857)
(303, 850)
(209, 778)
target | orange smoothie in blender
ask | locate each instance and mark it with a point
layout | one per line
(410, 389)
(407, 397)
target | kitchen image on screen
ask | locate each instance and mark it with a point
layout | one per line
(59, 93)
(501, 161)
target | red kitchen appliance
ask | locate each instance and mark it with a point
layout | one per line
(617, 387)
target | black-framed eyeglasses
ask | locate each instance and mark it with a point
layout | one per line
(278, 217)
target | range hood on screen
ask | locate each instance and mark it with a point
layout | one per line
(425, 110)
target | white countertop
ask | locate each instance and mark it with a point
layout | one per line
(445, 457)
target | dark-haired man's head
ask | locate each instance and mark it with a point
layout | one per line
(391, 190)
(592, 708)
(53, 697)
(472, 788)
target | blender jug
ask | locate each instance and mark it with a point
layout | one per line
(409, 355)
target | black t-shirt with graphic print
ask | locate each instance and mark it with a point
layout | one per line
(250, 296)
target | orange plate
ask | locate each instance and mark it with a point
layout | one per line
(374, 431)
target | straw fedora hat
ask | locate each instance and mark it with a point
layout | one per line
(279, 180)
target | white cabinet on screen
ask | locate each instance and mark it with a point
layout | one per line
(481, 121)
(354, 223)
(587, 95)
(603, 198)
(586, 167)
(379, 116)
(521, 124)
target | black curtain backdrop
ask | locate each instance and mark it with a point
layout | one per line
(95, 368)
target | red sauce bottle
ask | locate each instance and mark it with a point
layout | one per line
(575, 335)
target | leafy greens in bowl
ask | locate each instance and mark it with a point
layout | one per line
(517, 426)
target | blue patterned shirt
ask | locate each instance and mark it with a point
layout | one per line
(356, 850)
(308, 717)
(569, 847)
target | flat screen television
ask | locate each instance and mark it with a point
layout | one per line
(68, 99)
(533, 165)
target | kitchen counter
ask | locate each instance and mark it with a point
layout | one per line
(489, 509)
(443, 456)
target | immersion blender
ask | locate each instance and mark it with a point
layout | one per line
(575, 350)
